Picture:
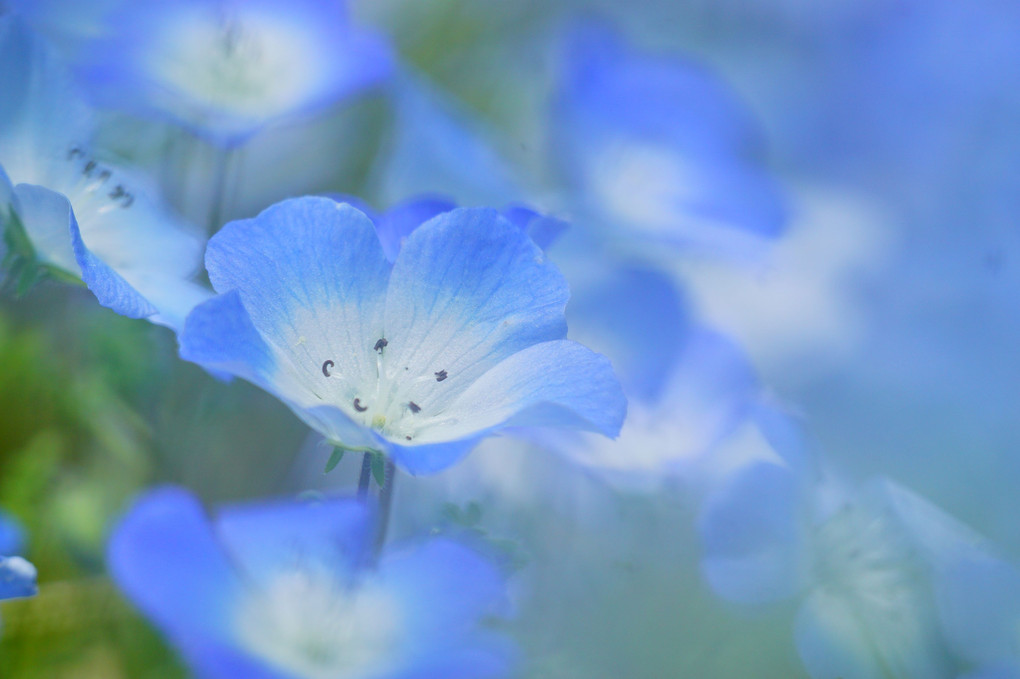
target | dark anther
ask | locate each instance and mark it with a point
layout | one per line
(89, 167)
(381, 344)
(129, 200)
(357, 406)
(408, 438)
(117, 192)
(74, 153)
(326, 365)
(441, 375)
(104, 175)
(415, 408)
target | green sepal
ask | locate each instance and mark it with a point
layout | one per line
(379, 467)
(334, 459)
(21, 268)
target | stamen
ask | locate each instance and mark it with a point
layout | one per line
(415, 408)
(89, 167)
(441, 375)
(74, 153)
(381, 344)
(357, 406)
(408, 438)
(326, 366)
(118, 192)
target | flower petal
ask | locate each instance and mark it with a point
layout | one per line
(165, 557)
(397, 223)
(17, 578)
(266, 538)
(467, 290)
(559, 383)
(312, 276)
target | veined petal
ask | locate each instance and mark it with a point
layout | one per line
(312, 276)
(467, 290)
(17, 578)
(558, 383)
(266, 538)
(164, 556)
(218, 334)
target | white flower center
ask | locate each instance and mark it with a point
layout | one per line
(249, 63)
(313, 626)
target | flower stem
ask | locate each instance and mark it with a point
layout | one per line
(366, 475)
(385, 503)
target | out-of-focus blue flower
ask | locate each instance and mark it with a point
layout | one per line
(688, 387)
(660, 147)
(866, 564)
(463, 334)
(66, 210)
(226, 68)
(17, 576)
(286, 590)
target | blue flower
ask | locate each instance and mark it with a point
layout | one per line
(64, 210)
(17, 576)
(689, 388)
(659, 147)
(866, 564)
(286, 590)
(225, 68)
(463, 334)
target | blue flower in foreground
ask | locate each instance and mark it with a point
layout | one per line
(17, 576)
(285, 590)
(62, 209)
(226, 68)
(659, 146)
(867, 565)
(461, 335)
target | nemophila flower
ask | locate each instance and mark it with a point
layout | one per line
(689, 388)
(289, 590)
(461, 335)
(17, 576)
(658, 146)
(867, 565)
(226, 68)
(69, 212)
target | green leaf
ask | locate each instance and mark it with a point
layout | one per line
(334, 459)
(379, 468)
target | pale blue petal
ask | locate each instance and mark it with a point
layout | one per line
(17, 578)
(542, 229)
(41, 115)
(140, 63)
(166, 559)
(397, 223)
(446, 587)
(47, 218)
(660, 145)
(558, 383)
(979, 599)
(219, 335)
(12, 535)
(636, 317)
(107, 285)
(268, 538)
(753, 536)
(430, 458)
(467, 290)
(209, 659)
(436, 147)
(312, 276)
